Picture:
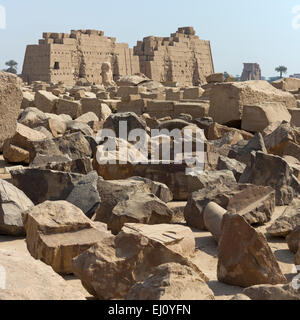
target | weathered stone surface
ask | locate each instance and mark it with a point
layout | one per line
(10, 101)
(12, 203)
(240, 297)
(233, 96)
(245, 258)
(71, 108)
(284, 140)
(100, 109)
(236, 167)
(23, 142)
(116, 191)
(215, 77)
(32, 117)
(74, 145)
(40, 185)
(259, 116)
(171, 281)
(131, 119)
(30, 279)
(293, 239)
(213, 216)
(272, 292)
(88, 117)
(273, 171)
(216, 131)
(139, 207)
(77, 126)
(242, 150)
(287, 222)
(57, 231)
(28, 100)
(45, 101)
(255, 203)
(109, 269)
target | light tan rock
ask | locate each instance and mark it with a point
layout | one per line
(172, 281)
(57, 231)
(45, 101)
(10, 103)
(258, 117)
(30, 279)
(110, 268)
(229, 99)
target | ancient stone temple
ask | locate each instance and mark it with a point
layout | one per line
(251, 72)
(182, 58)
(69, 57)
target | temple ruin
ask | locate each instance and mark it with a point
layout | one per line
(251, 72)
(61, 57)
(182, 58)
(69, 57)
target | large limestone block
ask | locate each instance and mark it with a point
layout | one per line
(110, 268)
(229, 99)
(71, 108)
(257, 117)
(45, 101)
(172, 281)
(57, 231)
(30, 279)
(295, 114)
(245, 258)
(10, 103)
(101, 110)
(13, 202)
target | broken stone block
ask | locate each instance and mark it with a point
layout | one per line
(272, 292)
(171, 281)
(293, 239)
(10, 101)
(57, 231)
(258, 117)
(140, 207)
(12, 203)
(233, 96)
(100, 109)
(236, 167)
(21, 142)
(132, 256)
(117, 191)
(245, 258)
(287, 222)
(273, 171)
(45, 101)
(74, 146)
(78, 189)
(255, 203)
(71, 108)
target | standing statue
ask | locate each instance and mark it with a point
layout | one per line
(107, 75)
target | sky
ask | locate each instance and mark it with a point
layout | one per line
(262, 31)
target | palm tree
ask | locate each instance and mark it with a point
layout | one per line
(282, 70)
(13, 66)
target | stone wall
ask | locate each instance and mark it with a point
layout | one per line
(182, 58)
(68, 57)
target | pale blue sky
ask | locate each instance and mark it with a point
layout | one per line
(239, 30)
